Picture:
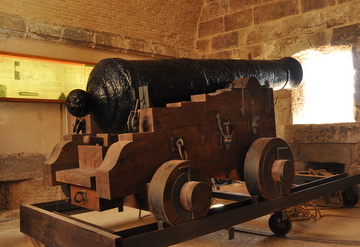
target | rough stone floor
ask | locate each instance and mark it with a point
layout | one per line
(337, 226)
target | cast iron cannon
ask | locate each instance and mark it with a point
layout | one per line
(115, 84)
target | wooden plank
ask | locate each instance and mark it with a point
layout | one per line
(77, 176)
(55, 230)
(90, 156)
(199, 97)
(92, 200)
(64, 156)
(126, 170)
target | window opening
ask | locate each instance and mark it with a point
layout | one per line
(327, 92)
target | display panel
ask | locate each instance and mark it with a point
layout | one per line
(24, 77)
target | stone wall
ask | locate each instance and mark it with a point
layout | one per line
(270, 29)
(165, 28)
(21, 181)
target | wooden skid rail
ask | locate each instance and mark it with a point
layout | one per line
(57, 229)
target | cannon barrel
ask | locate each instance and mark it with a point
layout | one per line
(114, 83)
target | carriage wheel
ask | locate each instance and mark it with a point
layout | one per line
(180, 191)
(269, 168)
(349, 197)
(278, 225)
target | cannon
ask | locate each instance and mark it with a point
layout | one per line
(115, 84)
(199, 120)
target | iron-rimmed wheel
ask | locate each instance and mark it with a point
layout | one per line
(278, 225)
(180, 191)
(269, 168)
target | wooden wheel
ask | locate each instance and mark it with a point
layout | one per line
(180, 191)
(269, 168)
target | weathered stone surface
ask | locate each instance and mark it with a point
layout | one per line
(45, 29)
(357, 81)
(283, 113)
(10, 22)
(356, 58)
(286, 47)
(106, 39)
(78, 34)
(332, 153)
(254, 51)
(295, 150)
(236, 5)
(211, 27)
(275, 10)
(335, 16)
(10, 34)
(15, 167)
(203, 45)
(171, 52)
(225, 41)
(357, 99)
(238, 20)
(347, 133)
(217, 8)
(308, 5)
(348, 35)
(300, 24)
(221, 55)
(353, 13)
(264, 32)
(301, 166)
(345, 1)
(204, 14)
(353, 169)
(243, 36)
(320, 39)
(13, 194)
(111, 41)
(279, 19)
(355, 153)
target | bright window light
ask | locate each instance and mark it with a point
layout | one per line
(328, 89)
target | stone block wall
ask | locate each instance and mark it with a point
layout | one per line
(270, 29)
(158, 28)
(21, 181)
(325, 143)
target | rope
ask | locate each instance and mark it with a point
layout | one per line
(304, 212)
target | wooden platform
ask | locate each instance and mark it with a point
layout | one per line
(51, 224)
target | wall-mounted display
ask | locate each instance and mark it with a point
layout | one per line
(24, 77)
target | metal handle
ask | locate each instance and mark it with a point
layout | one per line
(82, 194)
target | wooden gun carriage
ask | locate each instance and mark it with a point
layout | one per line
(177, 150)
(169, 159)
